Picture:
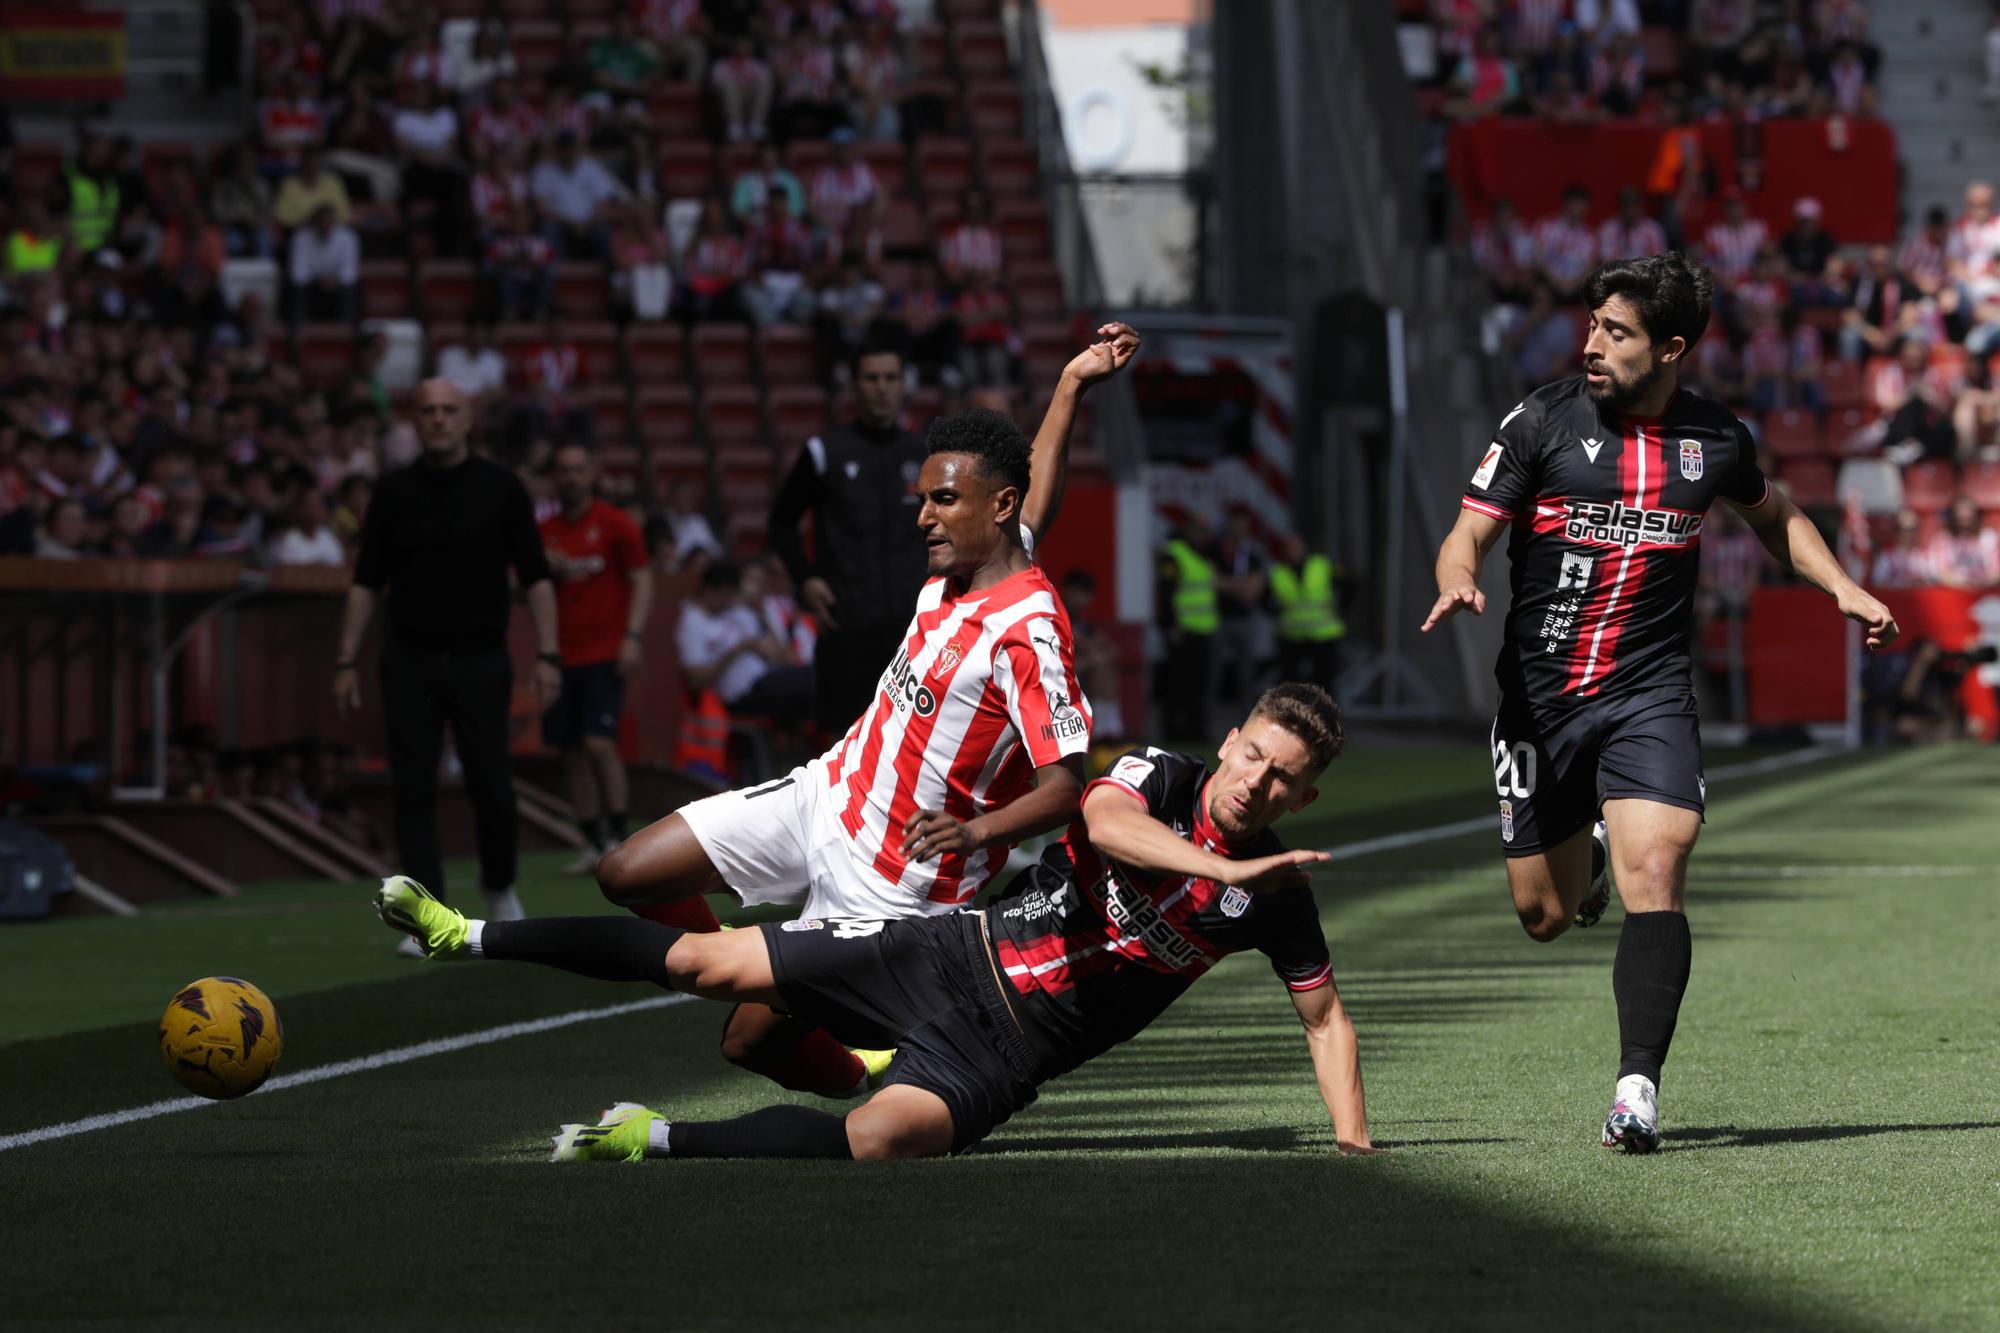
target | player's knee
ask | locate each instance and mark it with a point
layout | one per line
(878, 1139)
(1541, 924)
(1654, 877)
(737, 1048)
(618, 875)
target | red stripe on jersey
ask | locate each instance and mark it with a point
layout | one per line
(1642, 472)
(1481, 507)
(1551, 513)
(1117, 785)
(987, 732)
(890, 861)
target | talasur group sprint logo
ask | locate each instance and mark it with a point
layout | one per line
(1615, 523)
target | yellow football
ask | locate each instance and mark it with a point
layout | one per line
(221, 1037)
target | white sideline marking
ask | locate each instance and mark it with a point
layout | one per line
(1724, 871)
(359, 1065)
(1459, 828)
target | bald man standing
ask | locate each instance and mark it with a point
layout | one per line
(439, 538)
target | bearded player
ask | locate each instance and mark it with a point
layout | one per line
(1172, 867)
(1601, 483)
(974, 741)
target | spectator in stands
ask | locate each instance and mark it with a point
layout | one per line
(807, 75)
(1919, 406)
(1565, 249)
(520, 262)
(290, 123)
(691, 542)
(507, 124)
(1767, 361)
(240, 201)
(724, 645)
(875, 77)
(1617, 79)
(426, 134)
(845, 185)
(552, 369)
(743, 85)
(1974, 247)
(927, 322)
(643, 282)
(752, 189)
(305, 191)
(130, 518)
(1905, 563)
(1883, 309)
(499, 186)
(1505, 253)
(309, 539)
(1731, 245)
(351, 512)
(623, 65)
(766, 590)
(325, 269)
(444, 654)
(716, 263)
(1630, 232)
(63, 534)
(1098, 668)
(1848, 79)
(1807, 246)
(475, 365)
(1922, 260)
(1807, 365)
(604, 597)
(1963, 554)
(1543, 342)
(35, 245)
(679, 30)
(1991, 92)
(1487, 83)
(848, 310)
(970, 250)
(576, 194)
(781, 248)
(481, 66)
(1975, 417)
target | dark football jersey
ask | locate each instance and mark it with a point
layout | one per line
(1607, 513)
(1093, 950)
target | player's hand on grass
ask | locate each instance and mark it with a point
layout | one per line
(818, 596)
(1114, 349)
(1871, 615)
(1268, 874)
(346, 691)
(929, 833)
(1452, 600)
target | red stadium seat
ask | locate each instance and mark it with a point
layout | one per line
(968, 11)
(1841, 379)
(1024, 228)
(922, 408)
(666, 425)
(676, 109)
(385, 289)
(326, 353)
(1662, 50)
(738, 158)
(787, 355)
(1007, 166)
(514, 340)
(606, 405)
(994, 109)
(161, 163)
(930, 53)
(686, 171)
(733, 414)
(581, 291)
(1048, 340)
(1982, 483)
(449, 288)
(904, 230)
(1809, 480)
(940, 93)
(944, 167)
(617, 459)
(981, 49)
(1038, 291)
(1847, 431)
(538, 47)
(1792, 433)
(657, 354)
(890, 165)
(596, 349)
(722, 353)
(797, 413)
(1930, 484)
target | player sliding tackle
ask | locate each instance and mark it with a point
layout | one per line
(973, 743)
(1172, 867)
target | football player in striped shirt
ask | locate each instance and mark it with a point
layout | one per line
(1172, 867)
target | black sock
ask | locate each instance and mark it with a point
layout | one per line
(775, 1131)
(615, 821)
(1648, 980)
(593, 831)
(610, 948)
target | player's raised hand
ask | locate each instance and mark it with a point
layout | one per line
(929, 833)
(1268, 874)
(1872, 616)
(1463, 596)
(1114, 349)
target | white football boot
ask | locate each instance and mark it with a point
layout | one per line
(1634, 1122)
(1591, 910)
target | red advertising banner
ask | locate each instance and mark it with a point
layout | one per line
(56, 55)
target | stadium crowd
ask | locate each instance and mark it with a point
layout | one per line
(152, 405)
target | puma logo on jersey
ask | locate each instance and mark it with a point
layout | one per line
(1590, 448)
(1615, 523)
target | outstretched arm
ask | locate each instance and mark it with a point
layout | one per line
(1049, 461)
(1465, 547)
(1795, 543)
(1121, 828)
(1336, 1057)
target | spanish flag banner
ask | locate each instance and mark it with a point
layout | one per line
(53, 55)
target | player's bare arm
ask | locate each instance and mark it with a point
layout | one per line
(1121, 829)
(1464, 550)
(1336, 1059)
(1051, 805)
(1049, 459)
(1795, 543)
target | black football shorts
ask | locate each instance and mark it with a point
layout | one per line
(1554, 769)
(923, 986)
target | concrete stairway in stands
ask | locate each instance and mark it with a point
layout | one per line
(1933, 72)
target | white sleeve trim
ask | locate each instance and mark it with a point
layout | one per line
(817, 448)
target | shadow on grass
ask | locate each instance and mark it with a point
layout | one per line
(1730, 1136)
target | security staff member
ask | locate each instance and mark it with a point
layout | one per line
(1309, 625)
(1190, 615)
(859, 483)
(440, 536)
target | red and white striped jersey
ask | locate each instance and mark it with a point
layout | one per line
(1732, 247)
(983, 692)
(1617, 240)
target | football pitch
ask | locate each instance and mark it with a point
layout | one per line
(1832, 1154)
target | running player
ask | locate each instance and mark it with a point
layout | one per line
(1602, 481)
(974, 741)
(1172, 867)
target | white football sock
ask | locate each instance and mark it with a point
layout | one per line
(474, 932)
(656, 1139)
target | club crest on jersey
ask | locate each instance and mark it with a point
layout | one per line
(1575, 571)
(1691, 459)
(1235, 902)
(1506, 821)
(948, 658)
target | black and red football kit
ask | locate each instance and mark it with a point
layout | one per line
(1606, 513)
(1076, 954)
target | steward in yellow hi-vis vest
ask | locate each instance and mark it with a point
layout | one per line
(1189, 616)
(1309, 625)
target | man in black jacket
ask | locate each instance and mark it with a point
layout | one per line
(859, 483)
(440, 537)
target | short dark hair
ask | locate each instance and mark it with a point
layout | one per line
(1309, 713)
(1670, 292)
(989, 436)
(1080, 578)
(721, 574)
(874, 347)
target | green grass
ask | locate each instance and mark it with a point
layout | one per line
(1833, 1159)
